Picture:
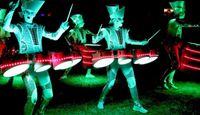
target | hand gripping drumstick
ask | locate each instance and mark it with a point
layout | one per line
(99, 29)
(98, 33)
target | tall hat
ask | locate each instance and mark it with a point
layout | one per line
(33, 5)
(174, 4)
(76, 17)
(115, 12)
(2, 14)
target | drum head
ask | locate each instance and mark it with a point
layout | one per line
(63, 65)
(145, 60)
(151, 59)
(41, 67)
(141, 60)
(103, 62)
(76, 61)
(123, 61)
(16, 70)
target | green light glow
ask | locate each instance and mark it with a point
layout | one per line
(185, 88)
(18, 82)
(4, 80)
(82, 81)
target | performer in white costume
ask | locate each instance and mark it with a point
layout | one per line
(29, 36)
(117, 37)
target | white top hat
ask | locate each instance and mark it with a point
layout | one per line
(116, 12)
(33, 5)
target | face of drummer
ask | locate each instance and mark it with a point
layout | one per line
(28, 15)
(117, 22)
(179, 11)
(79, 23)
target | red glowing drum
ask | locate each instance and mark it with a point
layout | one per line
(124, 56)
(75, 57)
(86, 51)
(42, 62)
(144, 56)
(102, 58)
(13, 65)
(61, 60)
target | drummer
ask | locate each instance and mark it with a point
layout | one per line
(3, 34)
(29, 36)
(78, 36)
(173, 43)
(117, 37)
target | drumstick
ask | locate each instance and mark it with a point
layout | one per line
(69, 12)
(99, 29)
(193, 43)
(154, 35)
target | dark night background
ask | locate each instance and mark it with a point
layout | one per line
(142, 17)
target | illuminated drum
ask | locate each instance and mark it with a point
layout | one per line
(102, 58)
(144, 56)
(87, 51)
(124, 56)
(14, 65)
(76, 58)
(42, 62)
(61, 60)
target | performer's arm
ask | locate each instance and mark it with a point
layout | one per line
(135, 42)
(7, 21)
(99, 36)
(56, 35)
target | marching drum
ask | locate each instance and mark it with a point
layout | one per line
(87, 51)
(102, 58)
(42, 62)
(14, 65)
(61, 61)
(124, 56)
(144, 56)
(76, 58)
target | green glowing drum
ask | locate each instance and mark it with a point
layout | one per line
(14, 64)
(141, 56)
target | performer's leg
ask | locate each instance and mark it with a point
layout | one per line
(64, 76)
(47, 92)
(111, 74)
(130, 77)
(171, 79)
(31, 94)
(165, 78)
(89, 73)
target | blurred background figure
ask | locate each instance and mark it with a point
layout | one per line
(173, 43)
(4, 35)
